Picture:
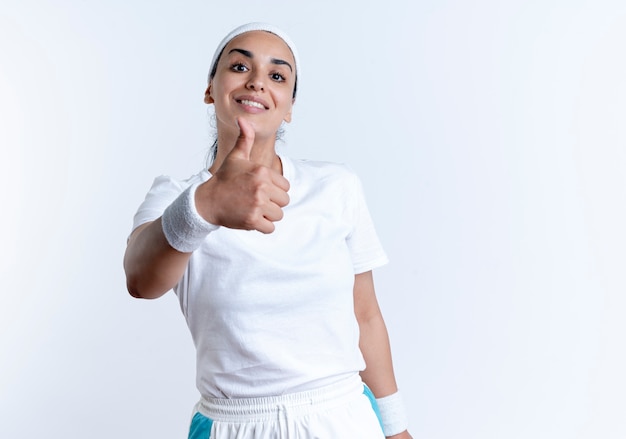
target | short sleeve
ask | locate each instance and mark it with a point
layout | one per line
(365, 247)
(163, 192)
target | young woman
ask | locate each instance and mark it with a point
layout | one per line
(271, 260)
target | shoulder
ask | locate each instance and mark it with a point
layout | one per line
(320, 170)
(167, 183)
(163, 191)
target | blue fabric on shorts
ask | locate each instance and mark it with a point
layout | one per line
(200, 427)
(367, 392)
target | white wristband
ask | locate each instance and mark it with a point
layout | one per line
(392, 414)
(184, 228)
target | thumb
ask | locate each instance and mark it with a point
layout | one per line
(243, 145)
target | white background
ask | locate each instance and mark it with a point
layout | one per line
(491, 140)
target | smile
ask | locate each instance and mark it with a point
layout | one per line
(252, 103)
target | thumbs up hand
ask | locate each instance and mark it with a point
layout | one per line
(243, 194)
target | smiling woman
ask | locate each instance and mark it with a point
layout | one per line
(249, 79)
(271, 260)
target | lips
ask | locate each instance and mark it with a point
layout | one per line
(252, 101)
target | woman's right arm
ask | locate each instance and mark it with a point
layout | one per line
(152, 266)
(241, 195)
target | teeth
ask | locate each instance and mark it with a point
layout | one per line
(252, 103)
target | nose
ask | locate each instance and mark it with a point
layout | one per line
(255, 83)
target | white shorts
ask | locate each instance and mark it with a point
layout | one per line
(343, 410)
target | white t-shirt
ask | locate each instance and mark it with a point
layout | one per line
(274, 313)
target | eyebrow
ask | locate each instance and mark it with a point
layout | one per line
(249, 54)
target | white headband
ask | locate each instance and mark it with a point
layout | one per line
(252, 27)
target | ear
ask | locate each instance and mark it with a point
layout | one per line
(287, 117)
(208, 98)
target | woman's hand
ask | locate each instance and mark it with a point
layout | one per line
(404, 435)
(243, 194)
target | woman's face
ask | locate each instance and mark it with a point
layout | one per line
(255, 78)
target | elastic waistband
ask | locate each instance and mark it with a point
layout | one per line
(258, 409)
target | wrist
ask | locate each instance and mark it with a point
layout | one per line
(184, 228)
(392, 414)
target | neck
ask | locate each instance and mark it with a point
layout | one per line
(263, 152)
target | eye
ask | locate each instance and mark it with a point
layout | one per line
(239, 67)
(277, 77)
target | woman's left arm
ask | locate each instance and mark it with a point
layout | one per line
(374, 342)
